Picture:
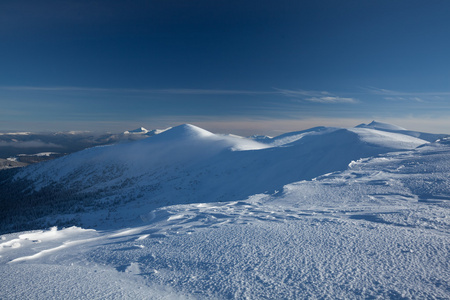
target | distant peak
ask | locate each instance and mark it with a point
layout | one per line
(186, 131)
(140, 130)
(379, 125)
(156, 131)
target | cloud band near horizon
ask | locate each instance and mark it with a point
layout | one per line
(304, 95)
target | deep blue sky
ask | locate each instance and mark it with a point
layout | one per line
(228, 66)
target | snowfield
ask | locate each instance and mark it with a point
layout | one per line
(329, 213)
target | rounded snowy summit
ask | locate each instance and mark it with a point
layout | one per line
(185, 131)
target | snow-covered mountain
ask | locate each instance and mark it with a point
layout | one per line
(330, 213)
(140, 130)
(381, 126)
(187, 164)
(430, 137)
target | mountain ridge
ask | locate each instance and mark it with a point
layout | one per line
(364, 232)
(430, 137)
(187, 164)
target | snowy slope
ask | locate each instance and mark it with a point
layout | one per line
(379, 229)
(187, 164)
(430, 137)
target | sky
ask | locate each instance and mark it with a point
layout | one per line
(243, 67)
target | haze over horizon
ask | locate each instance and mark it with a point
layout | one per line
(244, 67)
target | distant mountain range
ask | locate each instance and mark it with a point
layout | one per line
(22, 148)
(187, 164)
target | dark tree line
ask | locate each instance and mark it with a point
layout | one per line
(23, 208)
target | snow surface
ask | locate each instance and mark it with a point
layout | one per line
(366, 223)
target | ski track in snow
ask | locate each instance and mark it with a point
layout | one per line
(378, 230)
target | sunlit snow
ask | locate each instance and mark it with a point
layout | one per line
(329, 213)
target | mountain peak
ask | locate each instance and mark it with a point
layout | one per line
(140, 130)
(186, 131)
(379, 125)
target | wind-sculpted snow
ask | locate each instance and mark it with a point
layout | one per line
(26, 277)
(378, 230)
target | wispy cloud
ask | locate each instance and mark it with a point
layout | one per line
(142, 91)
(303, 95)
(52, 89)
(210, 92)
(316, 96)
(408, 96)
